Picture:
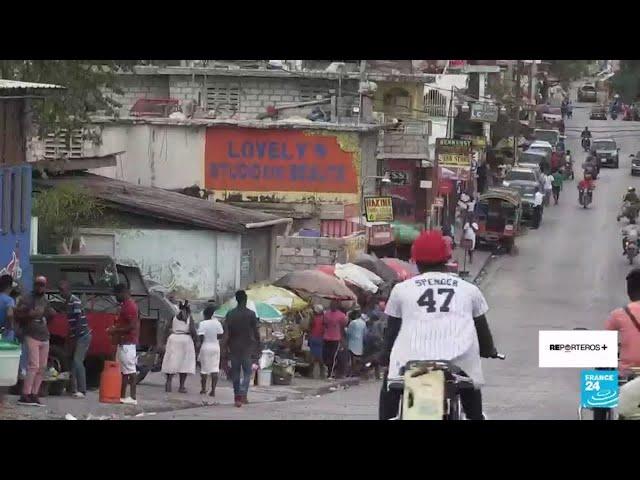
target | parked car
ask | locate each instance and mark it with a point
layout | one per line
(587, 93)
(547, 135)
(540, 157)
(635, 163)
(598, 112)
(520, 174)
(606, 152)
(527, 190)
(536, 168)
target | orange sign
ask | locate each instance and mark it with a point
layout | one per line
(248, 159)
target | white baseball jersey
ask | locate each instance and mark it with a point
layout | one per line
(437, 311)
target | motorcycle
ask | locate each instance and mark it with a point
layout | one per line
(585, 197)
(431, 390)
(586, 144)
(628, 211)
(568, 170)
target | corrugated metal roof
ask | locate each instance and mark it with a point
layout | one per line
(162, 204)
(18, 85)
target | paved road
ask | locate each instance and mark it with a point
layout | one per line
(355, 403)
(570, 273)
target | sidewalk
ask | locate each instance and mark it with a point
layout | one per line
(152, 399)
(480, 260)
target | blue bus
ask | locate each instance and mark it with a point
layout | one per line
(15, 223)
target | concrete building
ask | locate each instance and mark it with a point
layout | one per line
(198, 248)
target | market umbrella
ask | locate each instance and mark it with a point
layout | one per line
(328, 269)
(405, 270)
(315, 283)
(264, 311)
(359, 276)
(377, 266)
(283, 300)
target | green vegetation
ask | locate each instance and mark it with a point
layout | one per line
(85, 82)
(61, 211)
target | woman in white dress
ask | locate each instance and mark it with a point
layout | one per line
(180, 352)
(210, 331)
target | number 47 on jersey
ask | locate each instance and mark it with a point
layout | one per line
(428, 299)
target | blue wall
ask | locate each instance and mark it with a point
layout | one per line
(15, 223)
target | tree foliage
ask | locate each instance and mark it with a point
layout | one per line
(568, 70)
(61, 211)
(86, 82)
(626, 82)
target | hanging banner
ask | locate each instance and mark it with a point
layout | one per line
(378, 209)
(454, 155)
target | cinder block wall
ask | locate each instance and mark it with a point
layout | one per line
(255, 94)
(304, 253)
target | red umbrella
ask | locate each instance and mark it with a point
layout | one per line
(404, 270)
(328, 269)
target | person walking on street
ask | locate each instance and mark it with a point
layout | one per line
(243, 342)
(548, 188)
(33, 312)
(126, 334)
(315, 340)
(355, 342)
(78, 340)
(210, 332)
(335, 322)
(180, 351)
(556, 185)
(537, 208)
(469, 235)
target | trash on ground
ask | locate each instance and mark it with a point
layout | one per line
(98, 417)
(68, 416)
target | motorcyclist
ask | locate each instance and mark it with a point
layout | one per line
(586, 138)
(423, 323)
(630, 232)
(586, 184)
(626, 321)
(631, 196)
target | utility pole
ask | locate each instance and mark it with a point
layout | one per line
(450, 116)
(533, 91)
(516, 126)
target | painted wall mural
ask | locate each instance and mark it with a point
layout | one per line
(277, 161)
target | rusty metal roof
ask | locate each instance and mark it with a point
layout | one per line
(18, 85)
(162, 204)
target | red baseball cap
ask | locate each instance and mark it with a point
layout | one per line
(431, 247)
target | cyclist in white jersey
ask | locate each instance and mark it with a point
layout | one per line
(436, 316)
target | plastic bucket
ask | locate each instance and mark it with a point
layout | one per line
(264, 378)
(9, 363)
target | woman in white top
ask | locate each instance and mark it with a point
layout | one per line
(469, 234)
(210, 332)
(180, 352)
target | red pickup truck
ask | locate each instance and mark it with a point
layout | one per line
(92, 279)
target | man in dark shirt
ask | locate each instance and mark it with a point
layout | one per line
(78, 340)
(125, 333)
(242, 341)
(33, 312)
